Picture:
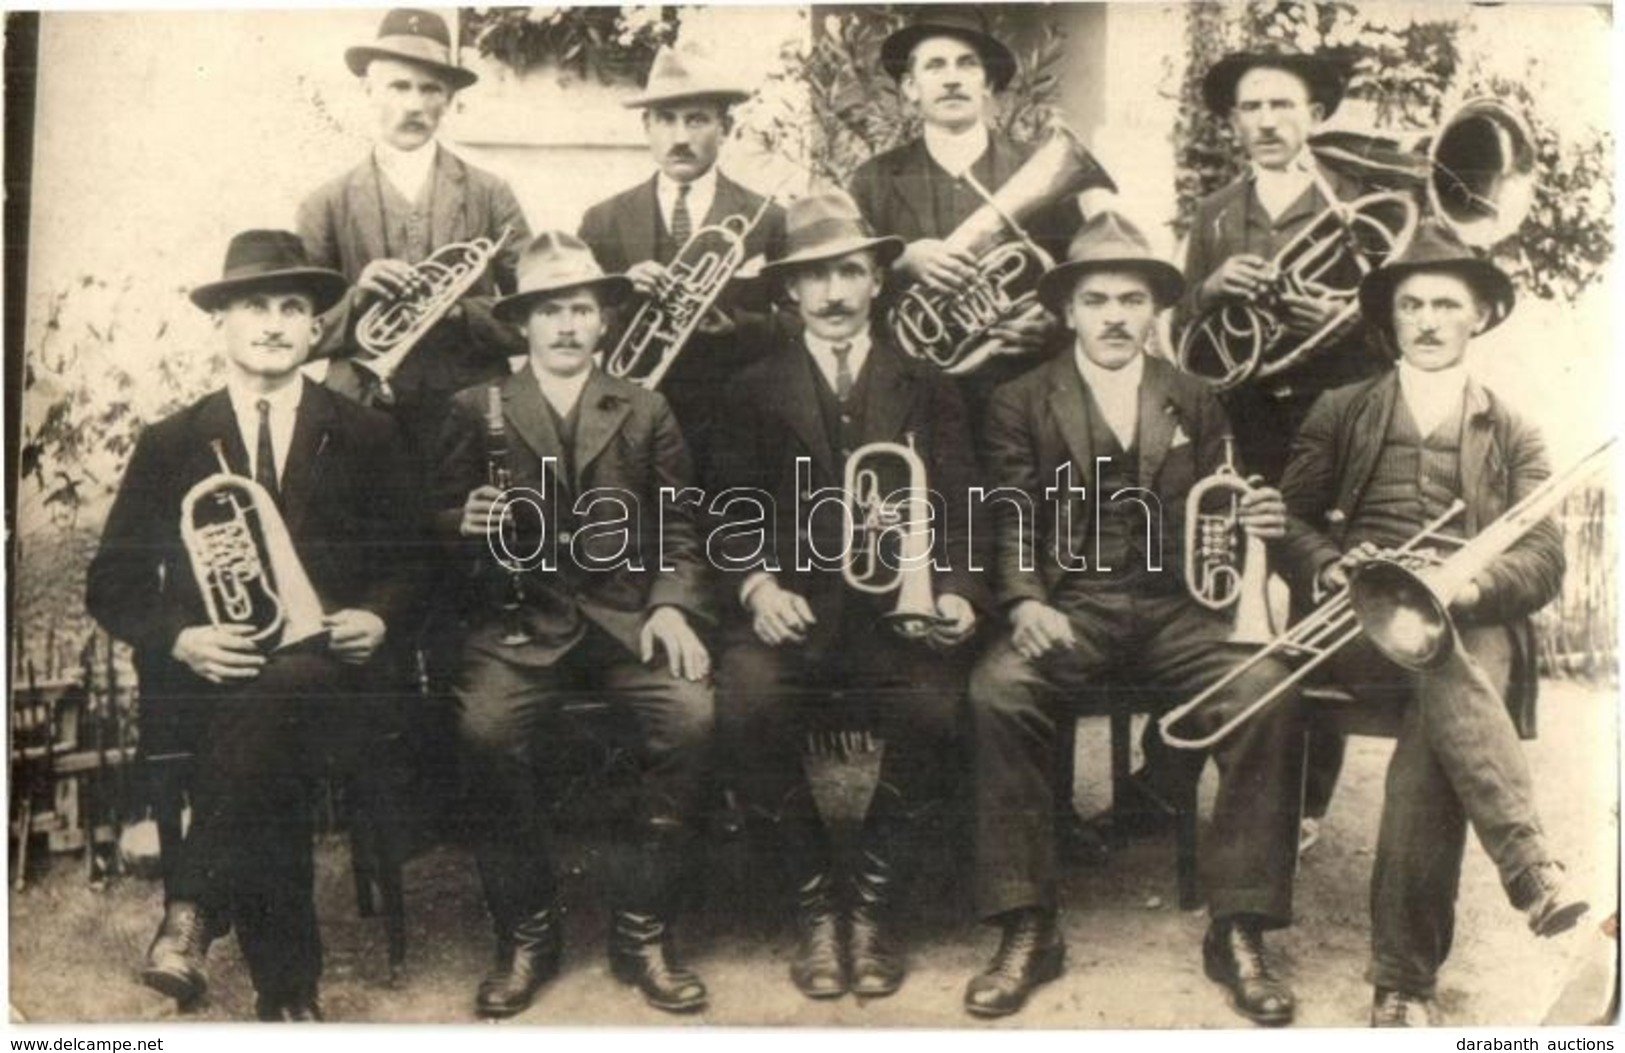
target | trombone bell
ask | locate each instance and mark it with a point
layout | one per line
(1402, 615)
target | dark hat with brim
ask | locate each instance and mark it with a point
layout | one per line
(418, 37)
(826, 226)
(687, 74)
(963, 21)
(1436, 250)
(258, 260)
(1323, 76)
(558, 262)
(1109, 242)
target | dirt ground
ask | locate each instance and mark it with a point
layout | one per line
(1133, 957)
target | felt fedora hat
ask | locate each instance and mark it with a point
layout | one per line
(681, 74)
(410, 35)
(823, 226)
(269, 259)
(964, 21)
(554, 262)
(1436, 249)
(1323, 75)
(1108, 242)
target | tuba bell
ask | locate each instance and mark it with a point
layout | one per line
(891, 547)
(244, 560)
(950, 329)
(1225, 566)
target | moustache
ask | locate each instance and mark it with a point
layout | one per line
(570, 345)
(680, 153)
(1114, 332)
(834, 310)
(953, 96)
(274, 345)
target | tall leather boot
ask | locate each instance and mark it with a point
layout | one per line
(876, 957)
(818, 969)
(174, 963)
(527, 957)
(641, 954)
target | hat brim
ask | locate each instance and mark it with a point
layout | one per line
(612, 289)
(1488, 282)
(358, 58)
(1056, 287)
(1323, 76)
(999, 60)
(325, 287)
(886, 248)
(721, 96)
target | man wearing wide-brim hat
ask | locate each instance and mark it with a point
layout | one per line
(1104, 418)
(408, 198)
(806, 652)
(686, 108)
(1374, 462)
(614, 614)
(247, 700)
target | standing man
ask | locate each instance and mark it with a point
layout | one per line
(640, 231)
(409, 197)
(612, 616)
(813, 654)
(1085, 591)
(256, 716)
(1373, 464)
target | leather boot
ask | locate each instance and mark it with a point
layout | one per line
(640, 954)
(1543, 894)
(877, 965)
(817, 969)
(175, 960)
(526, 959)
(1233, 955)
(1030, 953)
(1391, 1008)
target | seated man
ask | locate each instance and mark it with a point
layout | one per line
(1110, 420)
(612, 601)
(1373, 463)
(254, 703)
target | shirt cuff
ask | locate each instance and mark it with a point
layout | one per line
(752, 583)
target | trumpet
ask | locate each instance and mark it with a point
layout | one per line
(391, 328)
(244, 560)
(1219, 572)
(663, 325)
(1477, 175)
(950, 329)
(498, 475)
(886, 490)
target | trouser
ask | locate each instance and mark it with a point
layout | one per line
(248, 852)
(1457, 762)
(503, 712)
(1170, 644)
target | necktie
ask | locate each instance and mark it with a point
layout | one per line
(264, 455)
(681, 225)
(843, 371)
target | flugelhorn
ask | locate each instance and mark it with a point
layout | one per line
(891, 549)
(663, 324)
(1225, 566)
(950, 329)
(1405, 612)
(1477, 176)
(500, 476)
(391, 328)
(244, 560)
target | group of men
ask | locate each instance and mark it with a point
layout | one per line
(727, 652)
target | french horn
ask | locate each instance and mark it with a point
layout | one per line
(891, 548)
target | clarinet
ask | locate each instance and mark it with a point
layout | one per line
(498, 475)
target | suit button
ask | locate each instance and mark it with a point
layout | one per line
(846, 451)
(564, 537)
(846, 418)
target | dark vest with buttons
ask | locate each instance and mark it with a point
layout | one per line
(406, 223)
(1415, 479)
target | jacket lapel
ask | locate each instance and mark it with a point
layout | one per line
(800, 401)
(1373, 418)
(366, 208)
(522, 405)
(727, 201)
(217, 423)
(450, 188)
(637, 224)
(1069, 406)
(1156, 424)
(598, 418)
(1478, 451)
(311, 433)
(908, 182)
(888, 397)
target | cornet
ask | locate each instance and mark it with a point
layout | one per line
(891, 552)
(1219, 572)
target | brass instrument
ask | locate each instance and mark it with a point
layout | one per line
(663, 325)
(391, 328)
(1405, 612)
(498, 475)
(1219, 572)
(1477, 175)
(244, 560)
(1330, 628)
(891, 550)
(949, 329)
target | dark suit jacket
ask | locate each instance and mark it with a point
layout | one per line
(773, 417)
(621, 229)
(347, 500)
(1503, 458)
(628, 445)
(1040, 422)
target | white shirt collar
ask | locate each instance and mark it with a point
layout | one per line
(957, 151)
(1432, 396)
(823, 355)
(701, 193)
(1278, 188)
(1116, 390)
(407, 170)
(562, 393)
(284, 410)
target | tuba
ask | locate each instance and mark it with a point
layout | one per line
(1477, 176)
(1221, 569)
(891, 549)
(244, 560)
(949, 329)
(390, 329)
(662, 326)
